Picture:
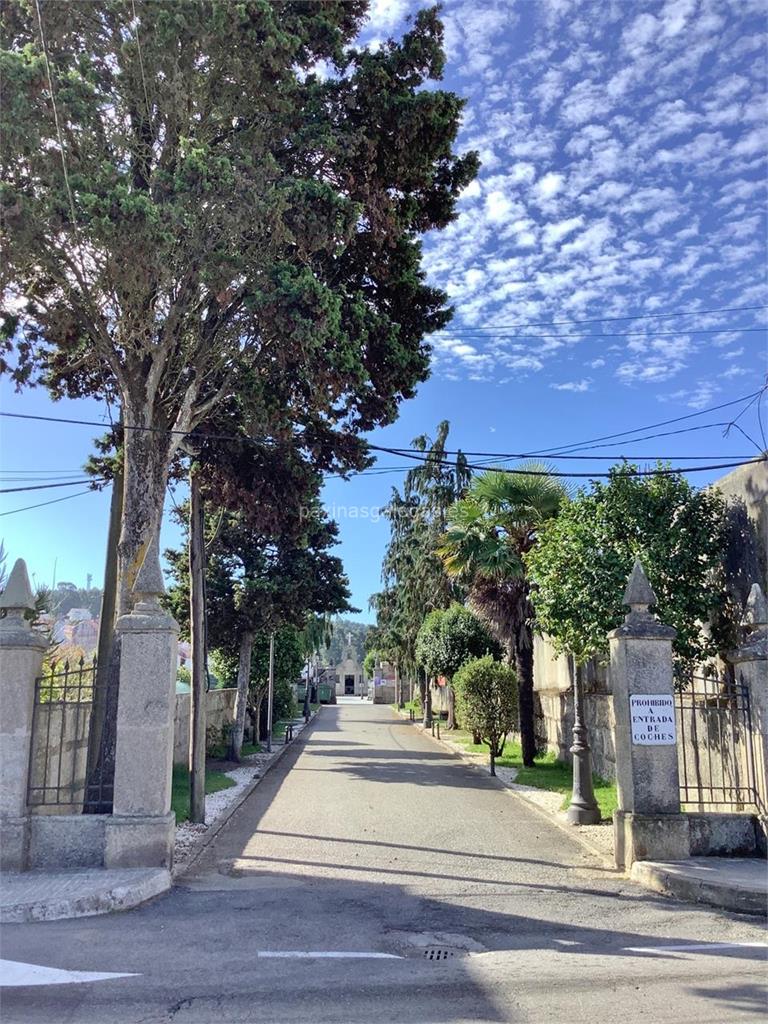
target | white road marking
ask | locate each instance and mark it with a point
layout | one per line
(700, 947)
(325, 954)
(13, 973)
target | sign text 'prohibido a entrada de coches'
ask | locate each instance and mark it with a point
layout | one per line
(653, 718)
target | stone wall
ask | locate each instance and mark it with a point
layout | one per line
(61, 729)
(749, 483)
(220, 711)
(64, 731)
(553, 685)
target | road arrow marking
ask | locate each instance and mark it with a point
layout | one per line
(14, 974)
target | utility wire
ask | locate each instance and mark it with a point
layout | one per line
(45, 487)
(464, 331)
(54, 501)
(243, 438)
(634, 316)
(428, 459)
(651, 426)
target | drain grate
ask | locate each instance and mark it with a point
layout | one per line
(433, 953)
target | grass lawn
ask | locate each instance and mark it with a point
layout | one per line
(410, 705)
(214, 781)
(547, 773)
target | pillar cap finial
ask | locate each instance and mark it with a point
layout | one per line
(639, 594)
(149, 585)
(755, 609)
(17, 598)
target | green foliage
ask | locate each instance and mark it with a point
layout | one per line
(487, 701)
(448, 638)
(289, 661)
(546, 773)
(369, 664)
(413, 576)
(207, 218)
(582, 560)
(334, 649)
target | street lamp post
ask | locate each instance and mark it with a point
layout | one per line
(583, 809)
(271, 691)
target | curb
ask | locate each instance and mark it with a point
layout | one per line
(667, 880)
(570, 830)
(119, 895)
(218, 824)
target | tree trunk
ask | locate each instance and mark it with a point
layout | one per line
(524, 665)
(146, 454)
(493, 763)
(241, 700)
(451, 723)
(199, 653)
(103, 718)
(257, 712)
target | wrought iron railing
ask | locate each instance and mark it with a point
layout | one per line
(716, 746)
(60, 775)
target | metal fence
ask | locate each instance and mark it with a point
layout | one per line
(717, 748)
(66, 774)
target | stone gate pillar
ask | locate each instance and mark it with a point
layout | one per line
(21, 659)
(140, 832)
(648, 824)
(750, 663)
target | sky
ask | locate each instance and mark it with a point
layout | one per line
(623, 150)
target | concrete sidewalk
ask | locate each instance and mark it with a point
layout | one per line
(731, 883)
(83, 892)
(53, 896)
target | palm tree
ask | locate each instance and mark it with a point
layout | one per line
(489, 531)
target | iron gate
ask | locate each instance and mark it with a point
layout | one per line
(716, 746)
(66, 771)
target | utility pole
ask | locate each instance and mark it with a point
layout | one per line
(197, 634)
(101, 730)
(271, 692)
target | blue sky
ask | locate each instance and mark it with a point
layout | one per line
(624, 172)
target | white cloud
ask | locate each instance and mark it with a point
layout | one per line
(498, 207)
(549, 185)
(574, 385)
(383, 15)
(554, 233)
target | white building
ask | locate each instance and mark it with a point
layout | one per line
(350, 680)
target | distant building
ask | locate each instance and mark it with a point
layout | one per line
(78, 614)
(350, 679)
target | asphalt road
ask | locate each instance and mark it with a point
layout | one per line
(369, 839)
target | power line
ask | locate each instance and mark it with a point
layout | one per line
(565, 451)
(671, 471)
(651, 426)
(464, 331)
(636, 316)
(54, 501)
(45, 487)
(245, 438)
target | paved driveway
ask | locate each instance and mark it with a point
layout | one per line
(374, 877)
